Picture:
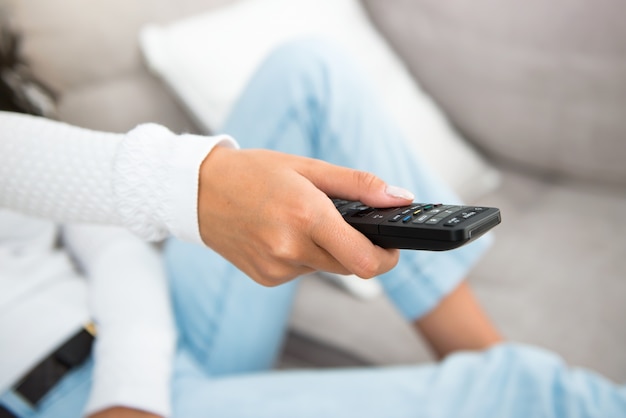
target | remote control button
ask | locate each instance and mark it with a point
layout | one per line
(351, 208)
(396, 217)
(407, 218)
(453, 221)
(468, 214)
(363, 213)
(439, 209)
(354, 205)
(340, 202)
(435, 220)
(452, 209)
(421, 219)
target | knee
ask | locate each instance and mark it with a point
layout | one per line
(528, 366)
(311, 58)
(308, 50)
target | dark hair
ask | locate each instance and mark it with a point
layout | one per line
(20, 91)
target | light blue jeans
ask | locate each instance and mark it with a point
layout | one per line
(308, 99)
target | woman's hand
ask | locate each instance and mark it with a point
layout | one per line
(270, 215)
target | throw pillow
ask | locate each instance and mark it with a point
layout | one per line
(207, 59)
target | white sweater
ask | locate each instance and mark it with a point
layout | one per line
(146, 181)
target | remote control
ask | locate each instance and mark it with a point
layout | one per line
(420, 226)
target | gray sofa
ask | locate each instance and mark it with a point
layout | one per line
(538, 88)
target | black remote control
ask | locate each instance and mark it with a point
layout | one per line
(420, 226)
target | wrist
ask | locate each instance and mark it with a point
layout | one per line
(213, 172)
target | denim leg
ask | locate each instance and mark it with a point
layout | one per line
(67, 399)
(309, 99)
(230, 323)
(508, 380)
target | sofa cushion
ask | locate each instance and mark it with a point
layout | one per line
(88, 53)
(541, 84)
(555, 276)
(119, 104)
(70, 43)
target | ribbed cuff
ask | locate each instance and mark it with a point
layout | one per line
(130, 373)
(156, 181)
(182, 215)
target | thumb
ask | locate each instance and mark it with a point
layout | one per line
(346, 183)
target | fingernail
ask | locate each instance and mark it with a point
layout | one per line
(399, 192)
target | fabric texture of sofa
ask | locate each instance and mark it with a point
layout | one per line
(537, 88)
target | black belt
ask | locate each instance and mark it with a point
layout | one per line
(5, 413)
(51, 370)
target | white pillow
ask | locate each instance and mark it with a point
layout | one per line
(207, 59)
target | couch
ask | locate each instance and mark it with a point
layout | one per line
(537, 89)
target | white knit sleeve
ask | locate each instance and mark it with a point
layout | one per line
(145, 180)
(130, 305)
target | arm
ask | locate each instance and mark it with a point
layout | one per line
(129, 303)
(147, 180)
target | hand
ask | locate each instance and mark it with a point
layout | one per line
(121, 412)
(269, 214)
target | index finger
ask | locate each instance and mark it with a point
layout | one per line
(351, 248)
